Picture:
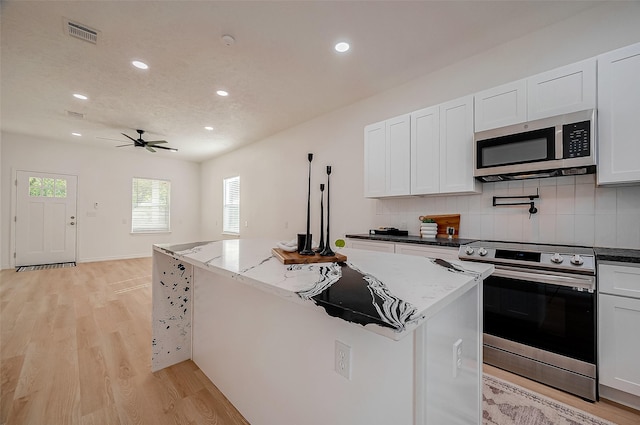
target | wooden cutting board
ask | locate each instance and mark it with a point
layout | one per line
(295, 258)
(444, 221)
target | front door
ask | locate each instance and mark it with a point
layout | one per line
(46, 218)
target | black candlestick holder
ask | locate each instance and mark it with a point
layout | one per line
(321, 245)
(307, 243)
(327, 251)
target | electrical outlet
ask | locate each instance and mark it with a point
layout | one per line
(343, 359)
(457, 357)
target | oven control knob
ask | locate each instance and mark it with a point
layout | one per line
(469, 250)
(482, 252)
(557, 258)
(577, 260)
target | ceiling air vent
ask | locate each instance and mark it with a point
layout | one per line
(81, 31)
(76, 115)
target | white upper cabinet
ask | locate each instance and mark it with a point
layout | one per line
(375, 160)
(618, 116)
(456, 147)
(564, 90)
(399, 156)
(387, 148)
(425, 151)
(501, 106)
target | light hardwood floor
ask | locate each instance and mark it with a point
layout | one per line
(75, 349)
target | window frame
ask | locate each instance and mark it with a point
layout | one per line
(225, 206)
(140, 230)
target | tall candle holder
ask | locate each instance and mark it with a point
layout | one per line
(327, 251)
(321, 245)
(307, 243)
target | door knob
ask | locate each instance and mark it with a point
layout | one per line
(72, 223)
(72, 217)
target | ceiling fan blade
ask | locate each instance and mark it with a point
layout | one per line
(121, 146)
(155, 142)
(129, 137)
(166, 148)
(150, 149)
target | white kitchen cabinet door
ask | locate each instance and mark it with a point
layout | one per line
(619, 279)
(618, 113)
(398, 155)
(371, 246)
(618, 342)
(563, 90)
(430, 251)
(425, 151)
(501, 106)
(375, 160)
(456, 147)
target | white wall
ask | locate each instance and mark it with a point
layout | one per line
(104, 176)
(274, 171)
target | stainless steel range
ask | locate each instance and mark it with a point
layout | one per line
(540, 312)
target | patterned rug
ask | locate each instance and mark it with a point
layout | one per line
(44, 267)
(504, 403)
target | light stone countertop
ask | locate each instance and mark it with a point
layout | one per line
(402, 291)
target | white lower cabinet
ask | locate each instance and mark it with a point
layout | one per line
(446, 253)
(618, 327)
(371, 246)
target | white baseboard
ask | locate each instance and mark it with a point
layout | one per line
(618, 396)
(113, 258)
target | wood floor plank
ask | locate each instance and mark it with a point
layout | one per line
(75, 349)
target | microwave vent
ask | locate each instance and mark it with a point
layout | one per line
(81, 31)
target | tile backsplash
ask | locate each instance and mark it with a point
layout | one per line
(571, 210)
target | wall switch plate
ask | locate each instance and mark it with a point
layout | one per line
(343, 359)
(457, 357)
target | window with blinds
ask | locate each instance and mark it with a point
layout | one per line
(231, 209)
(150, 207)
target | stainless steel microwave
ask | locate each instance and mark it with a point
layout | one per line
(556, 146)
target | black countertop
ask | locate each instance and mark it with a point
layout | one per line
(618, 254)
(455, 243)
(621, 255)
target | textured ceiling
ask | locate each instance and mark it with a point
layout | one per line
(281, 71)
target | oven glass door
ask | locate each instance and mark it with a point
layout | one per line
(554, 318)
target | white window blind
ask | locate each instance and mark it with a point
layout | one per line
(150, 208)
(231, 210)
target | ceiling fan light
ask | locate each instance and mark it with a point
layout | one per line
(80, 96)
(76, 134)
(209, 128)
(222, 93)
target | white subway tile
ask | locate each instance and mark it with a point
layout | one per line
(585, 199)
(628, 231)
(606, 230)
(605, 200)
(547, 203)
(565, 201)
(514, 227)
(628, 199)
(487, 226)
(584, 230)
(566, 180)
(547, 228)
(565, 229)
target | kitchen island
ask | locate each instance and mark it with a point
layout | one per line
(267, 334)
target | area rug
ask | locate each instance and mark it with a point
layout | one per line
(504, 403)
(45, 267)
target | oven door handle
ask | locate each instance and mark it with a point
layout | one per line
(578, 282)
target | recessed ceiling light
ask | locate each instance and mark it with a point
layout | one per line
(140, 65)
(342, 47)
(76, 134)
(80, 96)
(209, 128)
(222, 93)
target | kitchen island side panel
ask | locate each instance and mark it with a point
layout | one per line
(274, 360)
(171, 314)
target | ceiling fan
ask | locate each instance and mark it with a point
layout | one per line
(148, 145)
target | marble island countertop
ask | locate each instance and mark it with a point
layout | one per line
(389, 294)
